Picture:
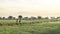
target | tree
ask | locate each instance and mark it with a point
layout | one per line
(52, 17)
(32, 17)
(14, 18)
(19, 18)
(3, 18)
(10, 17)
(46, 17)
(39, 17)
(25, 18)
(0, 18)
(58, 17)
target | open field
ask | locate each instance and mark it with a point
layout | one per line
(36, 28)
(25, 21)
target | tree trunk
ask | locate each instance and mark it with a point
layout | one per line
(19, 20)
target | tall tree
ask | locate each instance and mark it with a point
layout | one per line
(20, 17)
(10, 17)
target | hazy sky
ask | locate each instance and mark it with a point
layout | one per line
(30, 7)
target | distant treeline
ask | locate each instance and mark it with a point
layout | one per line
(27, 18)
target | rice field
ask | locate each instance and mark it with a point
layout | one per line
(36, 28)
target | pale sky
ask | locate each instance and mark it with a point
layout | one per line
(30, 7)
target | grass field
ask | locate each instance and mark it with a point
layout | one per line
(37, 28)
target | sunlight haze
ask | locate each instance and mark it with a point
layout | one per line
(30, 7)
